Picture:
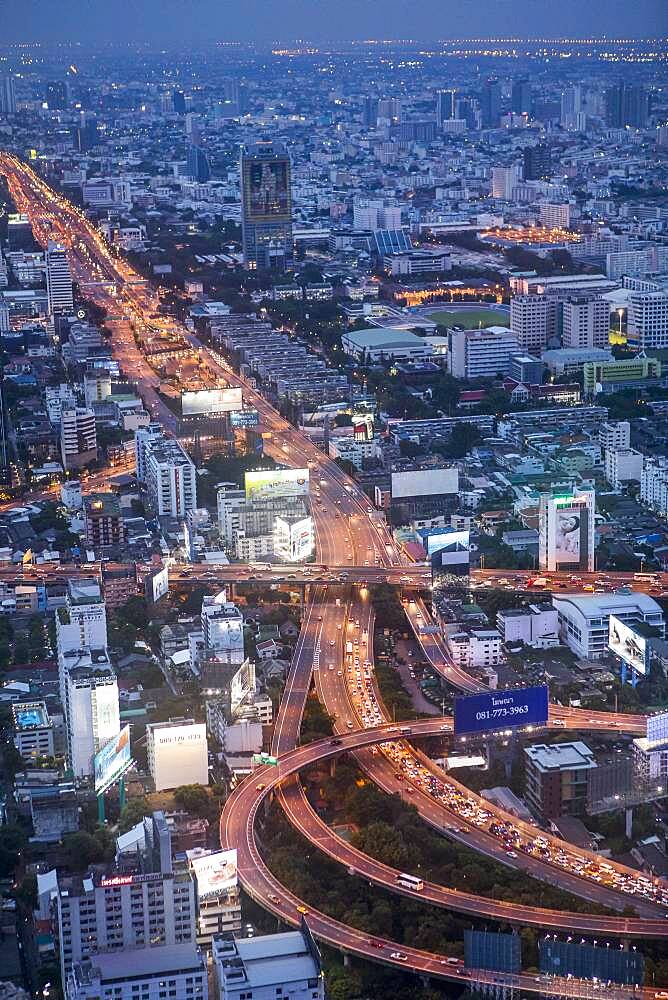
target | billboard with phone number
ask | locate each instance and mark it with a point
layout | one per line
(498, 710)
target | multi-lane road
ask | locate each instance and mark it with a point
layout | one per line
(351, 539)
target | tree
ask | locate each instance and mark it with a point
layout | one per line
(193, 799)
(12, 842)
(133, 812)
(463, 438)
(386, 844)
(83, 849)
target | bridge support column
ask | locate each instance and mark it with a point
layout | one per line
(346, 960)
(332, 767)
(628, 826)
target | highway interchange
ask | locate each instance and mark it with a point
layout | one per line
(351, 539)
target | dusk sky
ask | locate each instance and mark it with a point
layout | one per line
(172, 21)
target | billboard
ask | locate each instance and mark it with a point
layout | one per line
(269, 483)
(424, 483)
(157, 584)
(244, 419)
(294, 541)
(657, 728)
(215, 873)
(363, 426)
(267, 189)
(496, 952)
(207, 402)
(567, 528)
(449, 539)
(587, 961)
(499, 710)
(112, 760)
(625, 642)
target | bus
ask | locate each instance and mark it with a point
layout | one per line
(410, 882)
(349, 647)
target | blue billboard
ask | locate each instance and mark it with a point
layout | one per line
(244, 419)
(587, 961)
(496, 952)
(495, 710)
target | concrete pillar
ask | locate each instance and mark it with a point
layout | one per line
(628, 828)
(346, 959)
(332, 767)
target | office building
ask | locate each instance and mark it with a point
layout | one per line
(7, 96)
(78, 438)
(572, 115)
(490, 103)
(520, 97)
(648, 320)
(218, 899)
(556, 778)
(584, 620)
(266, 206)
(33, 730)
(611, 376)
(177, 753)
(91, 706)
(527, 369)
(445, 107)
(537, 162)
(58, 280)
(197, 167)
(369, 112)
(615, 435)
(171, 478)
(654, 484)
(82, 622)
(57, 95)
(222, 628)
(179, 102)
(97, 385)
(626, 104)
(145, 438)
(103, 520)
(389, 110)
(140, 902)
(177, 971)
(533, 321)
(481, 353)
(566, 526)
(269, 966)
(585, 322)
(535, 625)
(505, 180)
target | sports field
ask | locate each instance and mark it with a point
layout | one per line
(470, 318)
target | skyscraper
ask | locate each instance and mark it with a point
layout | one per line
(445, 106)
(58, 279)
(537, 162)
(520, 100)
(571, 107)
(369, 112)
(490, 103)
(198, 164)
(57, 95)
(626, 104)
(179, 102)
(7, 96)
(266, 206)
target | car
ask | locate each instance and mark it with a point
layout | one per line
(399, 956)
(331, 642)
(376, 944)
(273, 899)
(335, 742)
(511, 854)
(302, 909)
(260, 788)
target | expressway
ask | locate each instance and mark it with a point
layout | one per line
(360, 536)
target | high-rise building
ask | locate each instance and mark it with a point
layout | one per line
(626, 104)
(571, 107)
(389, 109)
(520, 100)
(58, 279)
(566, 526)
(139, 902)
(103, 520)
(141, 973)
(505, 180)
(86, 134)
(57, 95)
(171, 479)
(266, 206)
(445, 106)
(91, 706)
(177, 753)
(145, 438)
(533, 320)
(179, 102)
(198, 164)
(537, 162)
(7, 96)
(586, 322)
(274, 965)
(648, 319)
(78, 437)
(555, 214)
(222, 628)
(556, 778)
(490, 103)
(481, 353)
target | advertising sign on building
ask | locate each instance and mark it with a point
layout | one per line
(215, 873)
(268, 483)
(112, 761)
(244, 419)
(209, 402)
(626, 643)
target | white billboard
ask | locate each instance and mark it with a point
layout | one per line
(567, 528)
(424, 483)
(294, 541)
(112, 761)
(267, 483)
(446, 539)
(657, 728)
(208, 402)
(215, 873)
(159, 584)
(625, 642)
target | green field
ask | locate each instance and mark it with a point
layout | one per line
(470, 318)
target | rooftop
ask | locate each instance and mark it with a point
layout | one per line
(269, 959)
(561, 756)
(119, 966)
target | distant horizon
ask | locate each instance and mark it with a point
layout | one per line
(320, 22)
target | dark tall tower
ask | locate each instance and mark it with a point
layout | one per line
(445, 106)
(490, 103)
(198, 164)
(537, 162)
(179, 102)
(370, 112)
(7, 96)
(57, 95)
(266, 206)
(520, 101)
(626, 104)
